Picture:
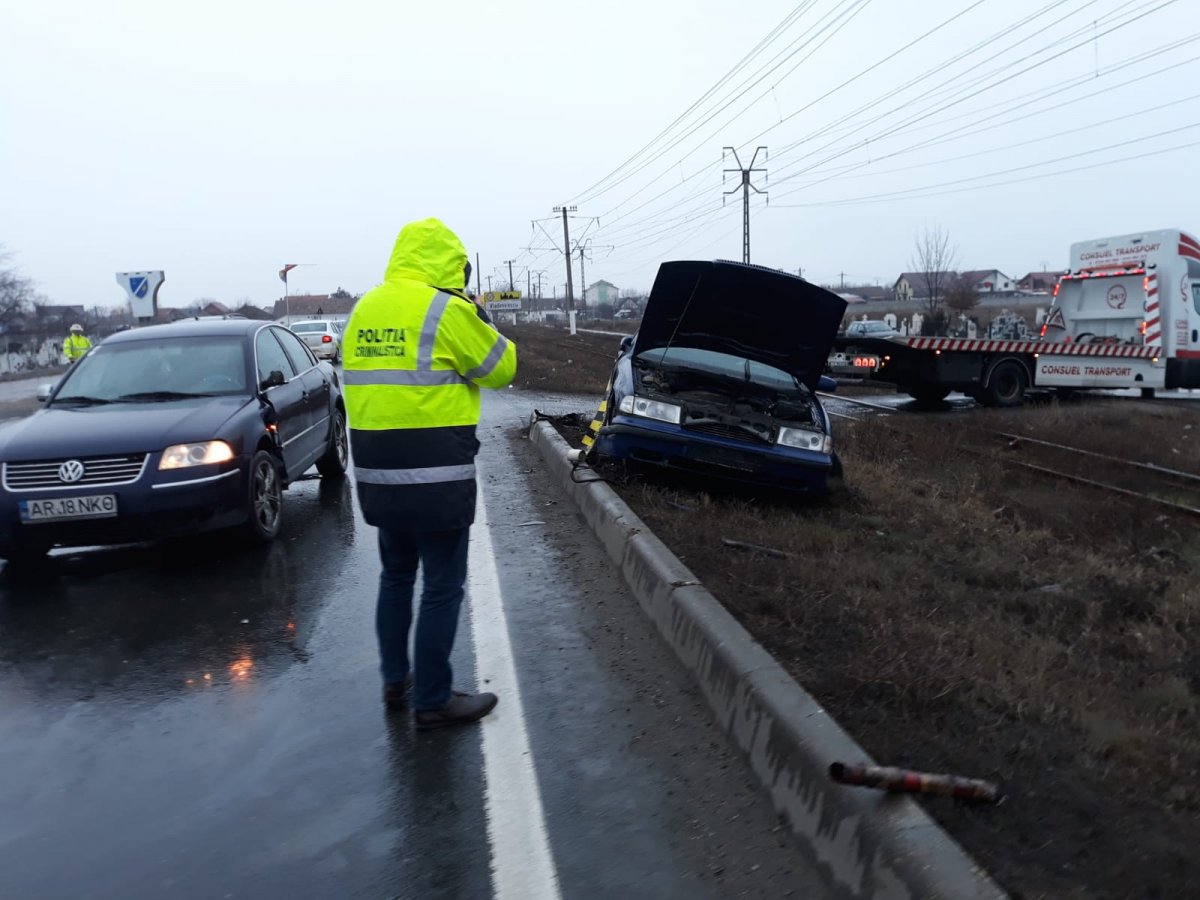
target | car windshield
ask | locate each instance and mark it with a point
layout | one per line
(161, 369)
(302, 327)
(723, 364)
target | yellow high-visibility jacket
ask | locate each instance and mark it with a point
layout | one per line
(415, 354)
(75, 345)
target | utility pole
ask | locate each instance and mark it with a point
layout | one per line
(567, 254)
(583, 274)
(842, 277)
(478, 275)
(509, 262)
(585, 249)
(489, 278)
(746, 172)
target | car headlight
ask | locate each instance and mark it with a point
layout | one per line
(805, 439)
(180, 456)
(651, 409)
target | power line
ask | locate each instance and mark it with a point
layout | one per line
(1009, 76)
(925, 76)
(934, 190)
(782, 26)
(858, 6)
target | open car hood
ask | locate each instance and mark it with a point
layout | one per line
(744, 310)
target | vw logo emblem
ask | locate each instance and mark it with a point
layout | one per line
(70, 471)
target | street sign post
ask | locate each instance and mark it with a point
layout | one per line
(502, 301)
(142, 289)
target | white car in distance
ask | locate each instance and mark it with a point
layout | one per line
(323, 337)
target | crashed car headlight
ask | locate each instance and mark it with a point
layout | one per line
(180, 456)
(651, 409)
(804, 439)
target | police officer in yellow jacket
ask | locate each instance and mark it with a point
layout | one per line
(416, 352)
(76, 343)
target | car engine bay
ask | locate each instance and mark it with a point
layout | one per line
(725, 406)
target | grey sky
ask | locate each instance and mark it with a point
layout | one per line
(220, 141)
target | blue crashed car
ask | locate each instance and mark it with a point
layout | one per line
(721, 378)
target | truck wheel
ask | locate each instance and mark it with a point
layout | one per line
(1006, 386)
(929, 394)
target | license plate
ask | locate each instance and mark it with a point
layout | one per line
(98, 506)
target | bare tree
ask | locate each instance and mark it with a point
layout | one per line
(16, 291)
(934, 261)
(960, 293)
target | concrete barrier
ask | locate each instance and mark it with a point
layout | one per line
(867, 844)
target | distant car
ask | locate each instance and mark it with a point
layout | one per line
(323, 337)
(625, 314)
(721, 378)
(871, 329)
(169, 430)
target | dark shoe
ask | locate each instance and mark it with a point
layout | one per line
(395, 695)
(461, 709)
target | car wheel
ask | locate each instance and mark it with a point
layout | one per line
(264, 505)
(24, 559)
(337, 357)
(333, 463)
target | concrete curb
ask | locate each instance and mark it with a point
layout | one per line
(867, 844)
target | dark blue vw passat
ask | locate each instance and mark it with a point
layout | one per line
(169, 430)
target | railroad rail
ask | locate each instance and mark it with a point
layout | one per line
(1173, 488)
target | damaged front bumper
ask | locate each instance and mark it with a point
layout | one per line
(672, 447)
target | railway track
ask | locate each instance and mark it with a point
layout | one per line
(1173, 489)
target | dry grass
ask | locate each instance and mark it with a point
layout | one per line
(955, 617)
(550, 359)
(960, 615)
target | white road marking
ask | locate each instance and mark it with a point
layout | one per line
(522, 864)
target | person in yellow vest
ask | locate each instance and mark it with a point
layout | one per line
(415, 353)
(76, 343)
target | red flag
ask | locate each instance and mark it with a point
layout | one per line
(283, 272)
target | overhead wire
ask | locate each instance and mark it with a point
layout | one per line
(787, 21)
(1005, 74)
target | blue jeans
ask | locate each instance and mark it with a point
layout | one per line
(442, 556)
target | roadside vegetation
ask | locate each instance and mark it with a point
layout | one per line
(960, 615)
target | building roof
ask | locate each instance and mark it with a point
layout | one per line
(1047, 277)
(313, 305)
(917, 280)
(253, 312)
(976, 275)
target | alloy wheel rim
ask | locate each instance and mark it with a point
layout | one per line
(340, 441)
(266, 495)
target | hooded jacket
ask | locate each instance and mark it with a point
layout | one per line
(415, 355)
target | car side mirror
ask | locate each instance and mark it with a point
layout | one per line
(44, 391)
(826, 384)
(275, 379)
(626, 343)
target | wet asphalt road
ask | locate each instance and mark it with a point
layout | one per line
(200, 721)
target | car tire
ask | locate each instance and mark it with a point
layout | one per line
(24, 559)
(1006, 385)
(333, 463)
(264, 500)
(336, 358)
